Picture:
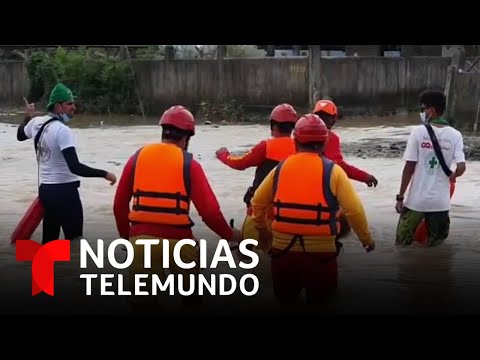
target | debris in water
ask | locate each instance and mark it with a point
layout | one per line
(116, 163)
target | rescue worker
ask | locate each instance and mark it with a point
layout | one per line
(163, 179)
(328, 112)
(305, 223)
(264, 156)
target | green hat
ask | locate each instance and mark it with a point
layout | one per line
(60, 93)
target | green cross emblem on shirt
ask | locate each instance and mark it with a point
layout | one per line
(433, 162)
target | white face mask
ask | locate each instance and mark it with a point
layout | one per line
(66, 118)
(423, 117)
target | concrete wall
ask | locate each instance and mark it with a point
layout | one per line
(379, 83)
(422, 73)
(421, 50)
(262, 81)
(164, 83)
(13, 83)
(358, 83)
(363, 50)
(355, 83)
(267, 81)
(467, 100)
(470, 50)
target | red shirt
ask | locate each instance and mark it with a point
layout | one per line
(253, 157)
(201, 195)
(257, 155)
(333, 152)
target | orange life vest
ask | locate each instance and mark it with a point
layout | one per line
(280, 148)
(306, 206)
(161, 186)
(277, 149)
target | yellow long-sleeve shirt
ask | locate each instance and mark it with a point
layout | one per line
(347, 198)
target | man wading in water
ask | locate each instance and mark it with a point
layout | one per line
(429, 192)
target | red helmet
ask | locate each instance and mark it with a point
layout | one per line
(179, 117)
(310, 128)
(326, 106)
(284, 113)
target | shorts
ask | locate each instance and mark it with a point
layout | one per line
(437, 223)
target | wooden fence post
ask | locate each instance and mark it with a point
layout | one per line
(314, 73)
(458, 63)
(221, 53)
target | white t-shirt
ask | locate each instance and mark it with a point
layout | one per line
(55, 138)
(429, 188)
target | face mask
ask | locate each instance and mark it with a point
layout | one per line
(64, 117)
(423, 117)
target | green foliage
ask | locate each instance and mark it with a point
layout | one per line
(104, 84)
(229, 111)
(99, 83)
(150, 52)
(41, 72)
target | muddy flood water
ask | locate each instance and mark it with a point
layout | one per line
(444, 279)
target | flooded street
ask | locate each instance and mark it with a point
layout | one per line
(388, 280)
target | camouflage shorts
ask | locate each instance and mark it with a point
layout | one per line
(438, 226)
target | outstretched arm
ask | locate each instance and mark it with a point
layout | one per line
(66, 142)
(357, 174)
(77, 168)
(253, 157)
(351, 205)
(333, 151)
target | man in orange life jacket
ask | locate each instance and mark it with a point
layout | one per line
(163, 178)
(305, 222)
(265, 156)
(328, 112)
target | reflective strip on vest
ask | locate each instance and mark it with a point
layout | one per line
(306, 206)
(161, 186)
